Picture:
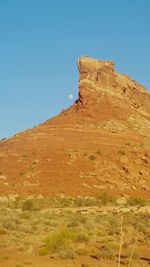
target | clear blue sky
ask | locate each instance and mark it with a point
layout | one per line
(40, 41)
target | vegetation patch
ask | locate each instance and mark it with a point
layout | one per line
(70, 228)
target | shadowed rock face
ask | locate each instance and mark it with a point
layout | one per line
(100, 143)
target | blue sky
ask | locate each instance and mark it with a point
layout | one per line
(40, 41)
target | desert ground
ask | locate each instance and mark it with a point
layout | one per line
(82, 231)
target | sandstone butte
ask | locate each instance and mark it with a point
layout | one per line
(100, 143)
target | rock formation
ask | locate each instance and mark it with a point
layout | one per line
(100, 76)
(101, 143)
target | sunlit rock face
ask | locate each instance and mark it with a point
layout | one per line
(100, 76)
(100, 72)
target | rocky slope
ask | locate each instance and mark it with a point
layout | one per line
(101, 143)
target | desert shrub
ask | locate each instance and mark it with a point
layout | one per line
(25, 215)
(63, 202)
(134, 257)
(92, 157)
(82, 237)
(128, 144)
(31, 205)
(79, 218)
(98, 152)
(136, 201)
(6, 257)
(73, 224)
(82, 251)
(68, 253)
(105, 254)
(113, 231)
(3, 231)
(24, 155)
(43, 251)
(25, 228)
(28, 205)
(63, 243)
(113, 246)
(64, 251)
(84, 201)
(122, 152)
(9, 224)
(101, 233)
(90, 224)
(106, 198)
(78, 202)
(57, 242)
(142, 227)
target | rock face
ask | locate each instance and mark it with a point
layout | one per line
(100, 76)
(100, 143)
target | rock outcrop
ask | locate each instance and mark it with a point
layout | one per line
(99, 76)
(100, 143)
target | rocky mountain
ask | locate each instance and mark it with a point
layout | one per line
(100, 143)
